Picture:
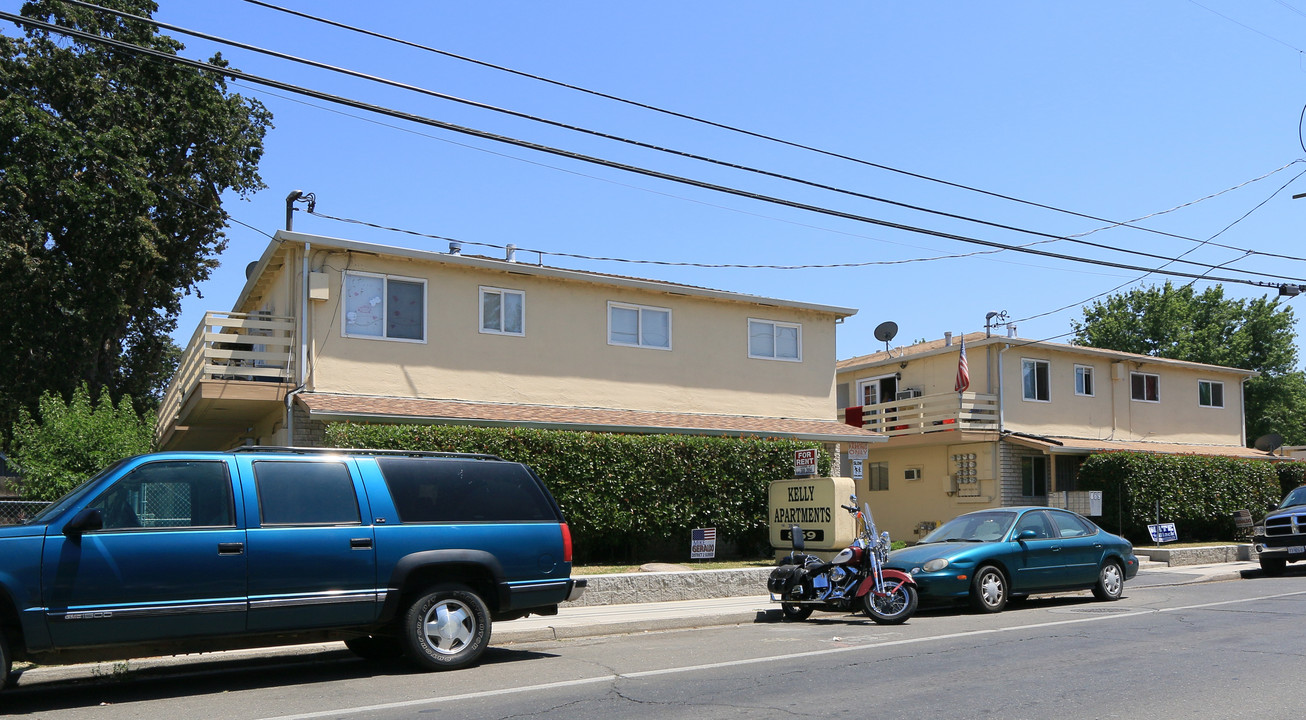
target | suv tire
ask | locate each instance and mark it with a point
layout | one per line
(446, 628)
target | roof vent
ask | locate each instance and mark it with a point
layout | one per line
(947, 339)
(511, 255)
(1011, 330)
(455, 248)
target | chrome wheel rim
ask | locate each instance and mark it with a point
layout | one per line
(892, 602)
(449, 626)
(991, 589)
(1112, 583)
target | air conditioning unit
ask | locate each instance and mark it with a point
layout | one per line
(908, 393)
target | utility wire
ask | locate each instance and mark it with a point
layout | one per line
(1049, 237)
(742, 131)
(419, 119)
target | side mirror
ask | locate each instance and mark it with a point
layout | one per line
(1027, 535)
(85, 521)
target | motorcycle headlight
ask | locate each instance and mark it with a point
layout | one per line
(935, 565)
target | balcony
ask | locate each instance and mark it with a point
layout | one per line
(942, 412)
(235, 363)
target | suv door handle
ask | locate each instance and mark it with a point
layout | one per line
(231, 548)
(360, 543)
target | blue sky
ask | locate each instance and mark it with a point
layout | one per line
(1112, 109)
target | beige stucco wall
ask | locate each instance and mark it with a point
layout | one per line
(907, 503)
(564, 357)
(1108, 414)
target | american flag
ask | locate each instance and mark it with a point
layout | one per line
(699, 535)
(963, 370)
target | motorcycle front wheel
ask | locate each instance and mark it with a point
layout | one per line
(894, 606)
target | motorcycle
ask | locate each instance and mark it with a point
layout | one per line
(854, 577)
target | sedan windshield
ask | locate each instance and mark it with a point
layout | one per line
(973, 527)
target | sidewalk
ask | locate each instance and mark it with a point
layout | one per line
(574, 622)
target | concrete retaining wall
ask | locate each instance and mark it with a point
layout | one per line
(1175, 557)
(639, 587)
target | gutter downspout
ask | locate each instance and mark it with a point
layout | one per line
(301, 368)
(1242, 409)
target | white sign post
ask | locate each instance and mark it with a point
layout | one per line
(804, 462)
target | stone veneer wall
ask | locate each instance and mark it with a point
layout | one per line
(1009, 456)
(308, 432)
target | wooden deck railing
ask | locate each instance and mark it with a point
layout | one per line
(232, 346)
(931, 413)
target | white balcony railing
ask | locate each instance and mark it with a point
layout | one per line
(232, 346)
(932, 413)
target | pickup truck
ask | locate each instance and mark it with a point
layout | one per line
(395, 553)
(1281, 537)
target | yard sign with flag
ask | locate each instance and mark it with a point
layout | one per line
(702, 543)
(963, 370)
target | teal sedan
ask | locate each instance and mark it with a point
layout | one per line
(988, 557)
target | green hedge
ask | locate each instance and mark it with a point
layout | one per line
(626, 497)
(1197, 493)
(1291, 475)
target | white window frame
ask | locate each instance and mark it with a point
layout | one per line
(1144, 376)
(501, 292)
(639, 326)
(385, 293)
(1047, 387)
(1212, 383)
(775, 324)
(1085, 371)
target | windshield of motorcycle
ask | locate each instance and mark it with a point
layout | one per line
(984, 526)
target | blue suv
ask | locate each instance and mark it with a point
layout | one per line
(395, 553)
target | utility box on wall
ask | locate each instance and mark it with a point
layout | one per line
(814, 505)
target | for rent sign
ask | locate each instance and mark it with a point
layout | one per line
(804, 462)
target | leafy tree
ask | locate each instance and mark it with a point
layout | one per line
(1181, 324)
(112, 165)
(73, 441)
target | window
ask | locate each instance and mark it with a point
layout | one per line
(1034, 379)
(503, 312)
(775, 340)
(384, 306)
(431, 491)
(877, 475)
(169, 495)
(639, 326)
(1145, 387)
(1084, 380)
(1210, 393)
(1071, 526)
(1033, 476)
(306, 493)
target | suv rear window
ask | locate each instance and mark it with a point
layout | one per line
(428, 490)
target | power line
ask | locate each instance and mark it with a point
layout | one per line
(580, 157)
(1049, 237)
(736, 129)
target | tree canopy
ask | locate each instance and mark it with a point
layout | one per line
(112, 168)
(1182, 324)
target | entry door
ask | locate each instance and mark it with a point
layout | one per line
(168, 563)
(312, 562)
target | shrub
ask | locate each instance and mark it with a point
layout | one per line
(74, 440)
(625, 497)
(1198, 493)
(1291, 475)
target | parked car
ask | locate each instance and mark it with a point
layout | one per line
(1281, 537)
(988, 557)
(396, 553)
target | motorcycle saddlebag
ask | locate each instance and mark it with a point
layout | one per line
(784, 578)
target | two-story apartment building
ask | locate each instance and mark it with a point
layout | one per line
(1033, 412)
(329, 329)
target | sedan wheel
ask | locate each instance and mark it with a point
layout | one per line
(1110, 582)
(988, 591)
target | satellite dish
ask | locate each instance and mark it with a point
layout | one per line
(1269, 443)
(886, 331)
